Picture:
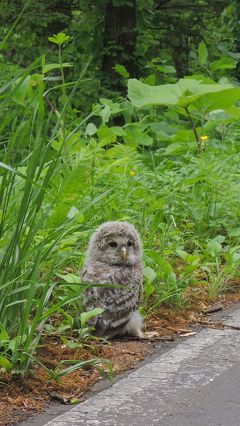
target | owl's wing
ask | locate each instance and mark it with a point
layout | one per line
(94, 297)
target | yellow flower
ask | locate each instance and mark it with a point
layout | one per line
(132, 173)
(204, 138)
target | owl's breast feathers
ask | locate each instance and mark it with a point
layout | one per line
(118, 303)
(100, 273)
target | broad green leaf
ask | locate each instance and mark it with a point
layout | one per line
(144, 140)
(224, 99)
(234, 111)
(50, 67)
(143, 95)
(182, 254)
(91, 129)
(184, 135)
(163, 126)
(214, 248)
(218, 115)
(148, 289)
(74, 212)
(151, 79)
(220, 238)
(138, 137)
(5, 363)
(59, 38)
(202, 53)
(201, 78)
(121, 70)
(183, 93)
(70, 278)
(166, 69)
(224, 63)
(119, 131)
(86, 316)
(149, 274)
(106, 114)
(234, 232)
(114, 107)
(165, 266)
(106, 135)
(175, 148)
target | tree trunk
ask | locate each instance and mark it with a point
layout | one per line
(119, 41)
(62, 15)
(181, 55)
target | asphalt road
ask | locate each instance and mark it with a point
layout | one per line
(196, 383)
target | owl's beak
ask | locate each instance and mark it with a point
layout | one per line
(124, 253)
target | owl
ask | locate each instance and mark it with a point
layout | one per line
(114, 256)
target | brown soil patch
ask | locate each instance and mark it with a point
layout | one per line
(23, 397)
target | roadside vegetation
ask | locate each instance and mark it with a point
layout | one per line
(161, 151)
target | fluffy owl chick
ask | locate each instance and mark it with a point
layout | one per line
(114, 256)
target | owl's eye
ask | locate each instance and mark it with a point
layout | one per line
(129, 243)
(112, 244)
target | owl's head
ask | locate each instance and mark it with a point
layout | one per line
(115, 243)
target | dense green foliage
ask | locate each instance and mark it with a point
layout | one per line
(75, 151)
(154, 39)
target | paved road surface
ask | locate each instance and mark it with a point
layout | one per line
(197, 383)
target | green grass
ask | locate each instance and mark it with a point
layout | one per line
(61, 177)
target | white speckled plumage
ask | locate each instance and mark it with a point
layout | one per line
(114, 256)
